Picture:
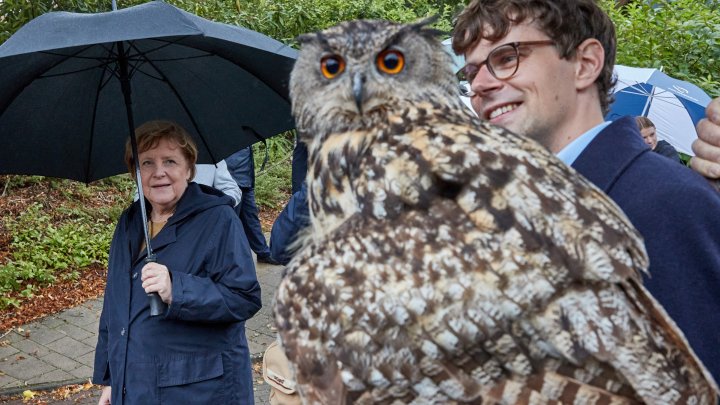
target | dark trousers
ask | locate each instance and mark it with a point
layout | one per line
(248, 213)
(299, 166)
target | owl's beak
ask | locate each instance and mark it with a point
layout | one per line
(358, 82)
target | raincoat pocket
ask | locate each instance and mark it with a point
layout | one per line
(191, 379)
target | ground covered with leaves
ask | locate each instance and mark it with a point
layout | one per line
(86, 393)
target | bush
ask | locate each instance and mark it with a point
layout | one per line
(42, 251)
(680, 36)
(273, 182)
(57, 240)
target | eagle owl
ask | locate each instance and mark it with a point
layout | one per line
(451, 261)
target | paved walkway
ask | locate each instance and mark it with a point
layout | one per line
(60, 349)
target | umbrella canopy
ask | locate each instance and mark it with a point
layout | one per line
(674, 106)
(457, 63)
(62, 108)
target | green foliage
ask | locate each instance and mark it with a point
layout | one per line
(272, 183)
(685, 158)
(680, 36)
(281, 19)
(286, 19)
(10, 182)
(57, 240)
(43, 251)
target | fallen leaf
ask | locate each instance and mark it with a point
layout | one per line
(27, 394)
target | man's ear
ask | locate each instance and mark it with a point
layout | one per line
(589, 59)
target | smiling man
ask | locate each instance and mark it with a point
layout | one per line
(544, 69)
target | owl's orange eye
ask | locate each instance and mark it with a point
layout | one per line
(391, 62)
(331, 66)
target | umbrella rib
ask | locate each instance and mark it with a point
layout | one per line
(19, 91)
(137, 68)
(104, 61)
(669, 98)
(101, 85)
(140, 57)
(241, 66)
(179, 98)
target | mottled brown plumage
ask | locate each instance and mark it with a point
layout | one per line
(451, 261)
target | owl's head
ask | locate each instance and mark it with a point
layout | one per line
(352, 75)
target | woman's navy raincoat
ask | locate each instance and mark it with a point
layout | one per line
(197, 351)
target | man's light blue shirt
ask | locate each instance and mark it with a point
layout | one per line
(571, 152)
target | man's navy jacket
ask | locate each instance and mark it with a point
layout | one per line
(678, 214)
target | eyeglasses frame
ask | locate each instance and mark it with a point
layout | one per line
(516, 47)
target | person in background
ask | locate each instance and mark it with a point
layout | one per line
(242, 168)
(196, 351)
(219, 177)
(544, 70)
(289, 225)
(299, 165)
(296, 215)
(649, 135)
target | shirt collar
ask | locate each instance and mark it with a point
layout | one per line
(572, 150)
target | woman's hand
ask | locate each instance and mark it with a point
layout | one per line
(707, 146)
(156, 278)
(105, 396)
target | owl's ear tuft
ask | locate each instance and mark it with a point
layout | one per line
(303, 39)
(423, 27)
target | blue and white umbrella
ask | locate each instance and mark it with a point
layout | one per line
(457, 63)
(674, 106)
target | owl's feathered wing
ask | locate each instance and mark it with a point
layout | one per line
(476, 268)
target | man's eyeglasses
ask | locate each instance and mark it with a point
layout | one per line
(502, 62)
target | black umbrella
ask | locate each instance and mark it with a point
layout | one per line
(73, 85)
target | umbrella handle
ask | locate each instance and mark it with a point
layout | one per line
(157, 306)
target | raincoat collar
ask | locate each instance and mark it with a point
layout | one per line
(197, 198)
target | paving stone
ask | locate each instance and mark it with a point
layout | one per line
(42, 334)
(7, 351)
(59, 361)
(83, 372)
(91, 341)
(256, 322)
(32, 348)
(7, 381)
(258, 344)
(94, 305)
(55, 376)
(91, 327)
(70, 347)
(79, 315)
(26, 368)
(74, 332)
(52, 322)
(87, 359)
(14, 337)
